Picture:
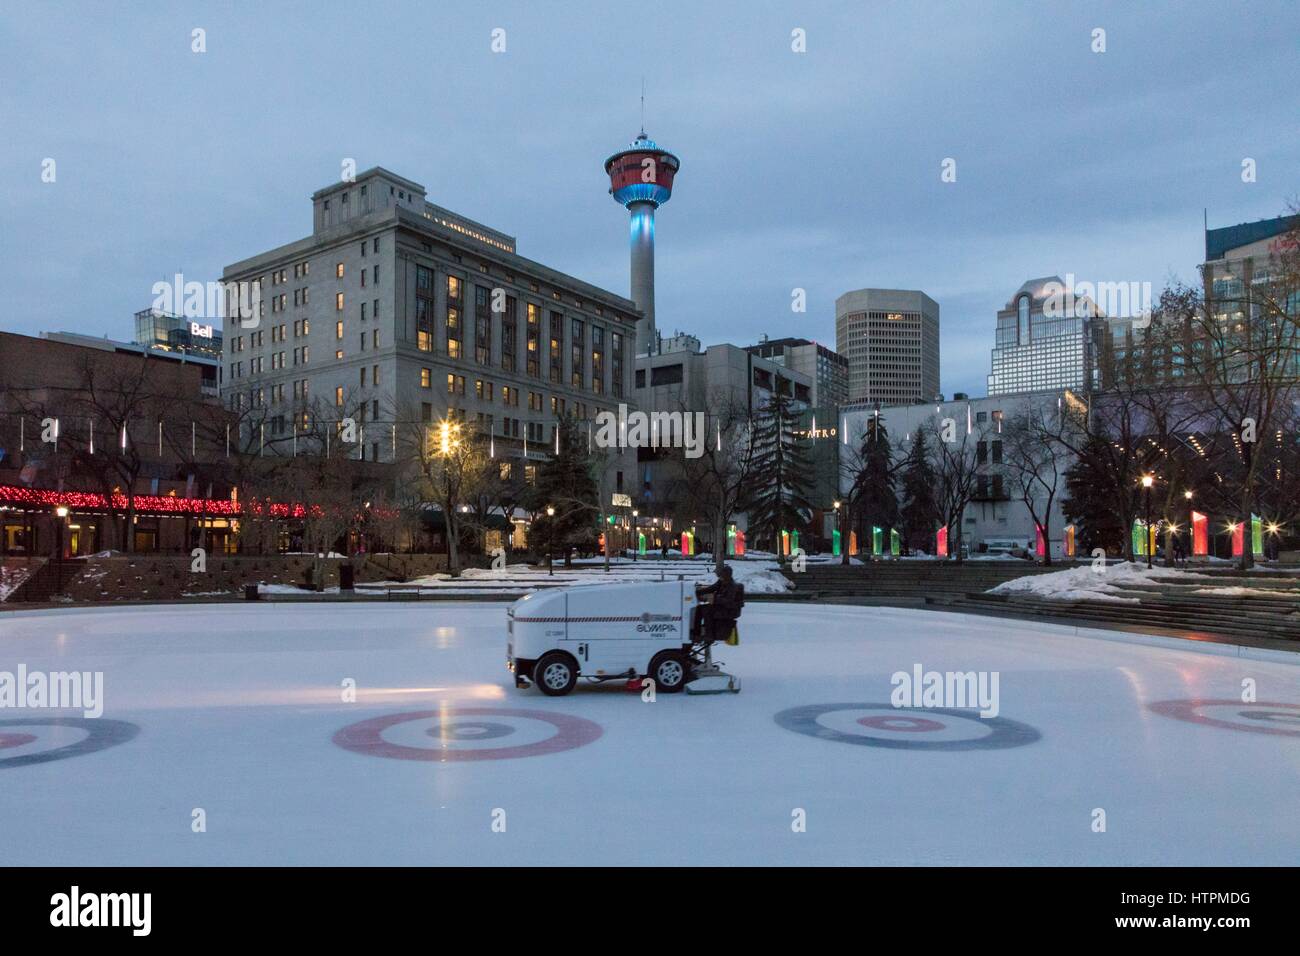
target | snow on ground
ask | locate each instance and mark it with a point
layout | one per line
(1247, 592)
(240, 710)
(758, 577)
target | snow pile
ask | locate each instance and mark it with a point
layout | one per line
(11, 580)
(1084, 583)
(759, 577)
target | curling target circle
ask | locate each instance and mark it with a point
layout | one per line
(461, 733)
(32, 740)
(1261, 717)
(912, 728)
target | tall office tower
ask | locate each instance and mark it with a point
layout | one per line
(891, 340)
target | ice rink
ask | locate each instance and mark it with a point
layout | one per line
(238, 711)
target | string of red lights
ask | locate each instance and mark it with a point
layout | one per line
(16, 496)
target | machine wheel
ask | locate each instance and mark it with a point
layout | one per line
(555, 674)
(669, 670)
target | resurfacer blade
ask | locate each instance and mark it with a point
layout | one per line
(714, 684)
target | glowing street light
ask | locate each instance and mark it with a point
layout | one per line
(1147, 482)
(62, 512)
(550, 541)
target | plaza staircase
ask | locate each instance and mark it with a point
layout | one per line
(903, 582)
(47, 583)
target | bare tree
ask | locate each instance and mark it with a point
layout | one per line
(1030, 455)
(714, 484)
(956, 468)
(450, 464)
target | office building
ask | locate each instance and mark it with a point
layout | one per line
(890, 338)
(398, 310)
(827, 369)
(1044, 340)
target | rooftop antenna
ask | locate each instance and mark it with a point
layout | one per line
(643, 105)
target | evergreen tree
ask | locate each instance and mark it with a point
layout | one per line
(566, 482)
(1089, 501)
(920, 513)
(777, 499)
(874, 501)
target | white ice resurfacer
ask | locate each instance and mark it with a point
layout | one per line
(614, 632)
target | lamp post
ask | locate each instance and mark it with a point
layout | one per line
(636, 542)
(839, 526)
(550, 541)
(62, 512)
(1147, 482)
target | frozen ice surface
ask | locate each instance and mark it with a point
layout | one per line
(238, 707)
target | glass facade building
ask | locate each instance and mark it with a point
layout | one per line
(1043, 343)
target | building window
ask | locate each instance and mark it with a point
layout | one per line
(453, 332)
(557, 347)
(577, 369)
(483, 390)
(338, 302)
(597, 359)
(338, 396)
(482, 326)
(1022, 320)
(534, 338)
(338, 270)
(616, 364)
(508, 334)
(426, 378)
(455, 384)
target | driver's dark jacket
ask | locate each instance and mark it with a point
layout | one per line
(727, 596)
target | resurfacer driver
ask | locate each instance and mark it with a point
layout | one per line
(728, 598)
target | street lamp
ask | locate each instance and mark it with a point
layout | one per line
(636, 542)
(1147, 482)
(839, 526)
(550, 541)
(62, 513)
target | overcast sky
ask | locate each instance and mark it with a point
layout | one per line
(817, 170)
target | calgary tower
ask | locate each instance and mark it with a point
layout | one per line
(641, 178)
